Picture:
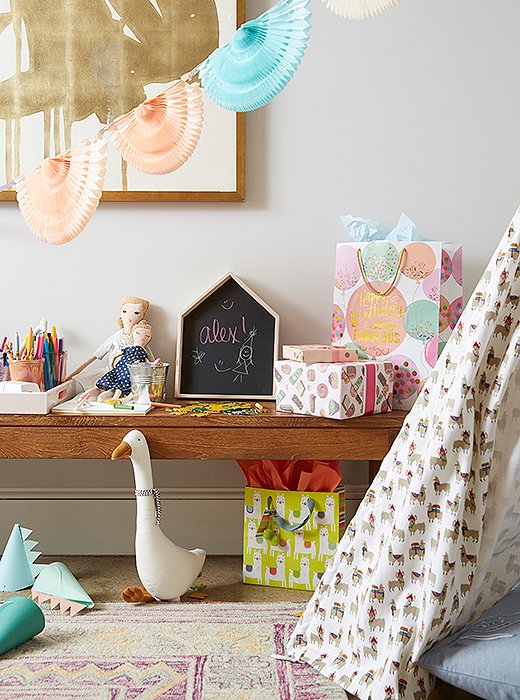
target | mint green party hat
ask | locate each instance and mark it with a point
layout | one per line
(17, 565)
(58, 586)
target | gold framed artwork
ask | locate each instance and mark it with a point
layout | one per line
(67, 69)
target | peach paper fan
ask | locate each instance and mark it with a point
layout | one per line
(58, 197)
(360, 9)
(159, 135)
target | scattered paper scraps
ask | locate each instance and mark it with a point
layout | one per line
(206, 408)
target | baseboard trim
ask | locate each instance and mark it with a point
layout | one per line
(355, 492)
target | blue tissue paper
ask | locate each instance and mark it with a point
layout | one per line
(366, 230)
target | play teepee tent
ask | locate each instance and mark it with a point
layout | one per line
(436, 541)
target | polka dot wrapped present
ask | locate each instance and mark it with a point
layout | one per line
(334, 389)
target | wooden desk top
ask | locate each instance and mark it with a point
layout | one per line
(269, 435)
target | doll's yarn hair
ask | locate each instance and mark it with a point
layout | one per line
(145, 325)
(133, 300)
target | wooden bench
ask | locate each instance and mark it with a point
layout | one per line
(270, 435)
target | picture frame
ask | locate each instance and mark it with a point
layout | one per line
(35, 124)
(219, 346)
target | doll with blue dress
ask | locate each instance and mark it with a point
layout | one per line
(132, 310)
(117, 382)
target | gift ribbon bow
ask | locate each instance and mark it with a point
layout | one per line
(271, 514)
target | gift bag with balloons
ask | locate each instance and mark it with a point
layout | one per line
(396, 296)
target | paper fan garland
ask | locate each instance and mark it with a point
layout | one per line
(260, 59)
(360, 9)
(58, 197)
(159, 135)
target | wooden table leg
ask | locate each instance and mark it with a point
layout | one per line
(373, 468)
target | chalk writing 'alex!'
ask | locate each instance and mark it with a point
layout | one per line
(220, 334)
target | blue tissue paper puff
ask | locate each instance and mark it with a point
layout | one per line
(260, 59)
(366, 230)
(17, 567)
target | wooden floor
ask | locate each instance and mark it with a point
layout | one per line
(105, 577)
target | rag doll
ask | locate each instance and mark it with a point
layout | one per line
(116, 382)
(132, 310)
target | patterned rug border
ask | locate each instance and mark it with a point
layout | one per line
(193, 651)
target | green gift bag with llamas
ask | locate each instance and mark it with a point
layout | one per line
(290, 536)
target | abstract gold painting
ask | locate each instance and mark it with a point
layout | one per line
(69, 67)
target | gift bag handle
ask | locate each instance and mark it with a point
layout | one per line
(402, 255)
(282, 522)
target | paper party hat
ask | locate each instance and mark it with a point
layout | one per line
(17, 567)
(58, 586)
(20, 620)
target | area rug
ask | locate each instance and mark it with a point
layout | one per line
(185, 651)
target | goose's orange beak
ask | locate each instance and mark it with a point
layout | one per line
(123, 450)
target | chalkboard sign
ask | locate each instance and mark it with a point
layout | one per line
(227, 345)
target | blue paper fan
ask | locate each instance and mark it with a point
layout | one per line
(260, 59)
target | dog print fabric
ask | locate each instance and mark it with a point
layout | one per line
(436, 539)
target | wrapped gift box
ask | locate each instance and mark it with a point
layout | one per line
(334, 390)
(319, 353)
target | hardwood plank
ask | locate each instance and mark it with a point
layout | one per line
(160, 418)
(218, 442)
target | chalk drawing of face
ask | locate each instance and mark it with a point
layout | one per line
(227, 305)
(245, 354)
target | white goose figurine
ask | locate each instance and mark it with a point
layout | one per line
(165, 569)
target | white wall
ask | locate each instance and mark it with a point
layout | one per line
(415, 110)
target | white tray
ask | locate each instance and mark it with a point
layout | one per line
(38, 403)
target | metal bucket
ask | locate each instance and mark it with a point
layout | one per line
(153, 377)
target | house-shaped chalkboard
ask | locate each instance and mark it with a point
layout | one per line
(227, 344)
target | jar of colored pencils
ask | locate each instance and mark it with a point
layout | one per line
(27, 371)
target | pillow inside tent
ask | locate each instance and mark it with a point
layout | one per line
(483, 658)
